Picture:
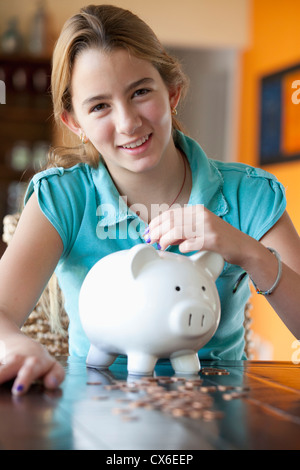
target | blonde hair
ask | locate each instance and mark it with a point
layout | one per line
(108, 28)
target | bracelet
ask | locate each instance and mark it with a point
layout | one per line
(268, 292)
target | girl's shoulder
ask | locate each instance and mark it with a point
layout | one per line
(80, 171)
(241, 170)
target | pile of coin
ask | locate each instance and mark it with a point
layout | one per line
(174, 395)
(189, 398)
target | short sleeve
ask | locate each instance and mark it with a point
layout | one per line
(60, 197)
(262, 201)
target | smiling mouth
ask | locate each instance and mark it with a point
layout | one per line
(137, 143)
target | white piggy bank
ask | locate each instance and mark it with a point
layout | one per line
(149, 304)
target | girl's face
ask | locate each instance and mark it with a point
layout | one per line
(124, 108)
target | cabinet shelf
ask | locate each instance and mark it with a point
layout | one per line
(25, 118)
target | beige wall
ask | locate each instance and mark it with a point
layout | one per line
(193, 23)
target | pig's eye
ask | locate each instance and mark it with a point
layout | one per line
(177, 288)
(203, 288)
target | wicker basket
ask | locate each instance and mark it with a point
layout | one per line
(37, 325)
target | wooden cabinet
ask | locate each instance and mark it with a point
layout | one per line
(26, 126)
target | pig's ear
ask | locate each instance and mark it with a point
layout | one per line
(211, 262)
(140, 256)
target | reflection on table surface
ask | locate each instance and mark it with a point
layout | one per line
(228, 405)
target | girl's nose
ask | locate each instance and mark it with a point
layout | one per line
(127, 121)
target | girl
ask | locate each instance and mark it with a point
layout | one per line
(136, 178)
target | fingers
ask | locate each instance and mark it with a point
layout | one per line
(55, 376)
(193, 244)
(183, 227)
(26, 370)
(32, 369)
(9, 368)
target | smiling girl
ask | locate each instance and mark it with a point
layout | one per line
(116, 89)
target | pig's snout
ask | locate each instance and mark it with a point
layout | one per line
(190, 319)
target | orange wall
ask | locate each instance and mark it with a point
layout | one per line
(275, 45)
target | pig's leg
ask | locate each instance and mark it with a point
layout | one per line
(185, 363)
(140, 363)
(99, 359)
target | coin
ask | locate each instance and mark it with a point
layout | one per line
(224, 388)
(129, 418)
(209, 388)
(233, 395)
(118, 411)
(209, 415)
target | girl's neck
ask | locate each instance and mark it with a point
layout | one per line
(152, 192)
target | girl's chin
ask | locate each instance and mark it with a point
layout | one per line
(144, 164)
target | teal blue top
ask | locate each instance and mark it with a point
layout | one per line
(84, 206)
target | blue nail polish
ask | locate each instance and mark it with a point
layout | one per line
(19, 388)
(53, 381)
(146, 231)
(158, 246)
(148, 240)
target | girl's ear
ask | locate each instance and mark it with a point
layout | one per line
(69, 120)
(174, 96)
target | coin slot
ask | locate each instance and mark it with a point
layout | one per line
(190, 319)
(202, 320)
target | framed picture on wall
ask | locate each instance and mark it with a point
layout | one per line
(279, 139)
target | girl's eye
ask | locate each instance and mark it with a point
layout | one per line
(142, 91)
(99, 107)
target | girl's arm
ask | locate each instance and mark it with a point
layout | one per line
(25, 269)
(262, 267)
(196, 228)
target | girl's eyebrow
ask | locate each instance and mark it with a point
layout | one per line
(129, 87)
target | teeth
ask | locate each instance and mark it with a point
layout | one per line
(137, 143)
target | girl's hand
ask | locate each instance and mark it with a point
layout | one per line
(26, 361)
(195, 228)
(25, 269)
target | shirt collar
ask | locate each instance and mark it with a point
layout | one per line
(206, 189)
(111, 207)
